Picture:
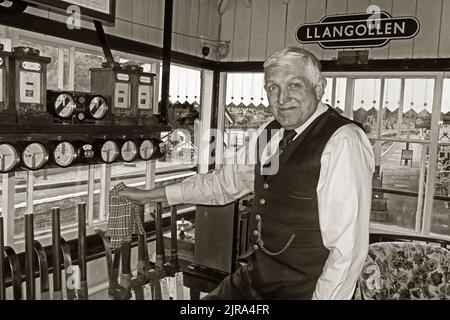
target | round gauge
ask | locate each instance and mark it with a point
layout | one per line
(9, 157)
(64, 105)
(98, 107)
(109, 151)
(64, 154)
(128, 151)
(34, 156)
(146, 150)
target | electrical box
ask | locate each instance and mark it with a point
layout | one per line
(7, 111)
(144, 95)
(28, 86)
(114, 82)
(216, 231)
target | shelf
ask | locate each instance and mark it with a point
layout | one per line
(24, 129)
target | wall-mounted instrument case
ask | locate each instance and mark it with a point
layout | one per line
(65, 153)
(28, 86)
(7, 110)
(143, 93)
(114, 82)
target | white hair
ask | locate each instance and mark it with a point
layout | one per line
(295, 55)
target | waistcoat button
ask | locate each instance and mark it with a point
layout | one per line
(262, 201)
(255, 246)
(258, 217)
(255, 232)
(266, 186)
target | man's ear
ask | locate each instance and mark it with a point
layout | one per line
(320, 87)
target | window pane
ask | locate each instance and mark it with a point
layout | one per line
(417, 107)
(391, 104)
(55, 187)
(339, 101)
(1, 199)
(396, 192)
(366, 104)
(183, 115)
(83, 62)
(440, 219)
(327, 96)
(444, 125)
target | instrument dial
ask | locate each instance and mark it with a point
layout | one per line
(9, 157)
(34, 156)
(98, 107)
(146, 149)
(64, 105)
(109, 151)
(128, 151)
(64, 154)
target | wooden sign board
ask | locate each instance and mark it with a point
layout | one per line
(101, 10)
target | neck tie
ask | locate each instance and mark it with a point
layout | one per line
(287, 138)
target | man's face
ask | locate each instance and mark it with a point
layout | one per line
(292, 98)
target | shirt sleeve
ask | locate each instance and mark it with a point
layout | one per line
(219, 187)
(344, 198)
(233, 180)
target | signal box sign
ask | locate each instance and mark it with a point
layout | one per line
(357, 30)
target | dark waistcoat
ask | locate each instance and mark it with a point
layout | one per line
(286, 204)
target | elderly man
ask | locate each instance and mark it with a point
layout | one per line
(311, 208)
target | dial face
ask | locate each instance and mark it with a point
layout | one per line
(146, 150)
(109, 151)
(129, 151)
(8, 157)
(34, 156)
(64, 154)
(98, 107)
(64, 105)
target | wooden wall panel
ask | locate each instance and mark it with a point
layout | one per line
(333, 7)
(296, 15)
(227, 26)
(315, 10)
(241, 32)
(277, 26)
(140, 20)
(427, 40)
(193, 27)
(123, 29)
(357, 6)
(139, 33)
(399, 49)
(382, 52)
(140, 11)
(124, 10)
(258, 30)
(156, 22)
(182, 30)
(176, 5)
(214, 24)
(444, 41)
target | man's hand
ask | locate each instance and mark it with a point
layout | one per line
(134, 194)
